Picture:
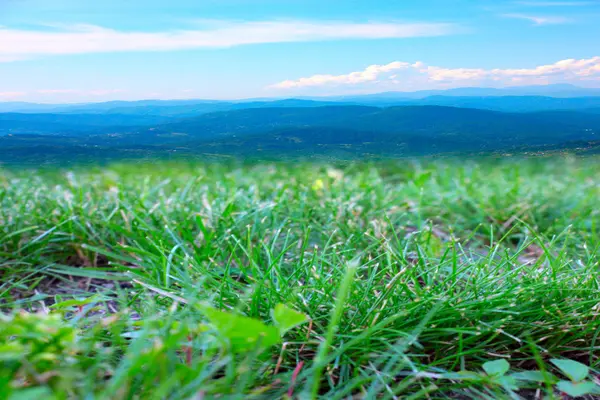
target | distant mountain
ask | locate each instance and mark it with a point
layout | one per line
(520, 98)
(18, 106)
(496, 103)
(558, 90)
(343, 131)
(593, 110)
(163, 108)
(479, 127)
(87, 108)
(502, 103)
(18, 123)
(191, 110)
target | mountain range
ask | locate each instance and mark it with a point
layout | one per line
(383, 125)
(520, 98)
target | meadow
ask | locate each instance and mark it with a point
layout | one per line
(405, 279)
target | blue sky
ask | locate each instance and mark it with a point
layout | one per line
(90, 50)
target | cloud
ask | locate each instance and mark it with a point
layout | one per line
(403, 73)
(6, 58)
(83, 39)
(9, 95)
(371, 73)
(95, 92)
(556, 3)
(57, 91)
(540, 20)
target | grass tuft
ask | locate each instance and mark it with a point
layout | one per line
(169, 280)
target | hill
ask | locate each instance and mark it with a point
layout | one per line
(340, 131)
(166, 108)
(14, 123)
(515, 99)
(556, 90)
(500, 103)
(462, 125)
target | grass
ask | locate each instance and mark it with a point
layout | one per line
(401, 275)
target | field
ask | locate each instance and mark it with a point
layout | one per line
(390, 280)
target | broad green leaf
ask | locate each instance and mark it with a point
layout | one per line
(496, 368)
(243, 333)
(507, 381)
(576, 371)
(576, 389)
(422, 178)
(286, 318)
(532, 376)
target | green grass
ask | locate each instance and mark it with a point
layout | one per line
(406, 272)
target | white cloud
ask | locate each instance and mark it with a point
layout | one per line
(80, 39)
(397, 73)
(58, 91)
(540, 20)
(10, 95)
(5, 58)
(95, 92)
(371, 73)
(556, 3)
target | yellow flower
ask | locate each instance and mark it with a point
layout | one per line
(318, 185)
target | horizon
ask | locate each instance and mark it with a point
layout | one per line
(69, 51)
(325, 97)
